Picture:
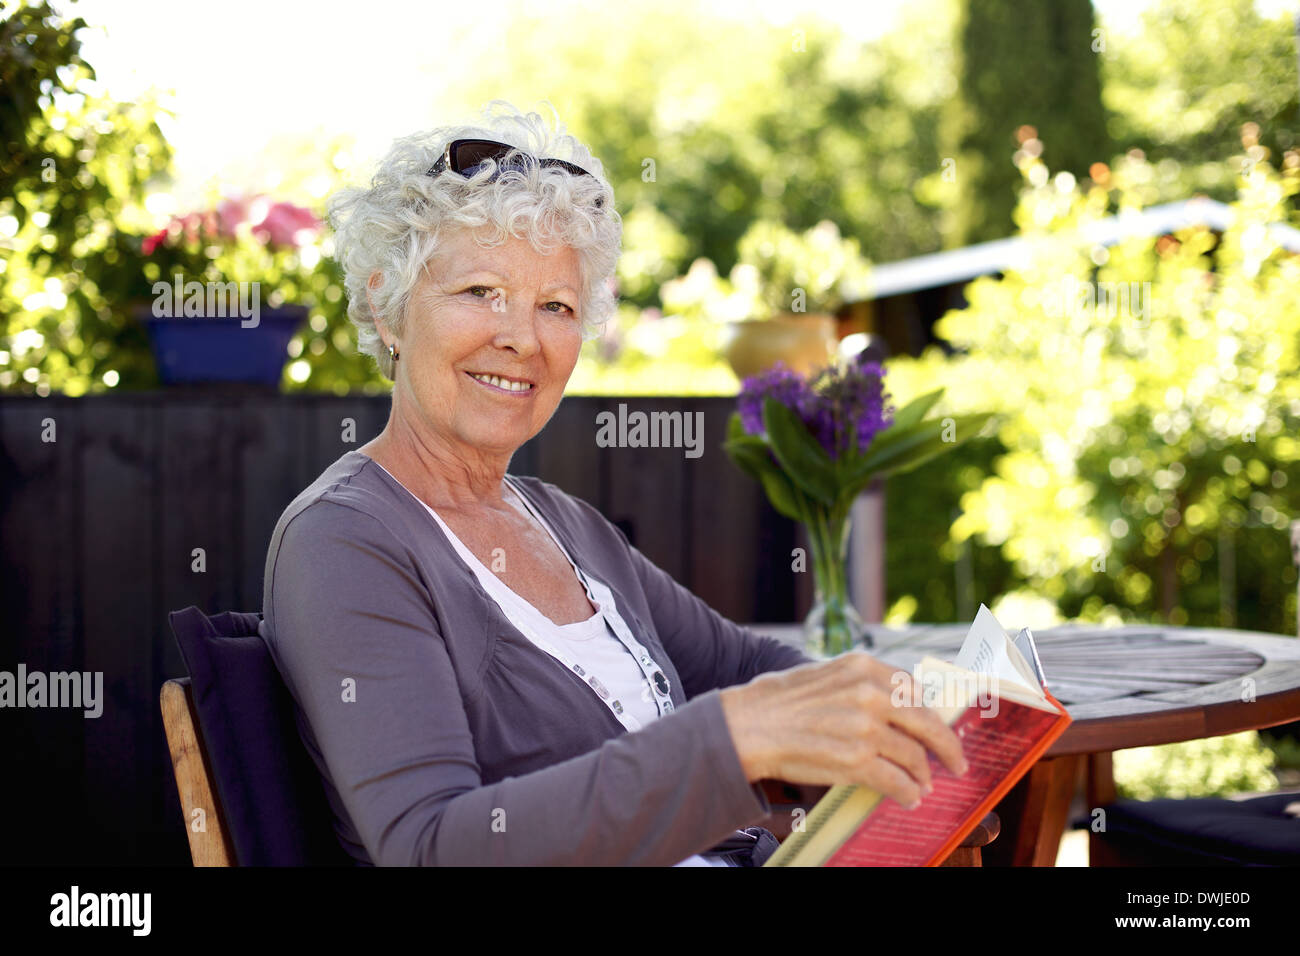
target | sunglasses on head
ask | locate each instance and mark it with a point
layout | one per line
(465, 156)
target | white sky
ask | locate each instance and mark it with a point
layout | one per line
(368, 69)
(245, 71)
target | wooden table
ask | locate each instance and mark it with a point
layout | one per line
(1125, 687)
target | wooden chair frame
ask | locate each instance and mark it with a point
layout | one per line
(210, 843)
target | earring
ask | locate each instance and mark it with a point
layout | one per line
(393, 352)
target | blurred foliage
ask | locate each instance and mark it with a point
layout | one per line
(929, 576)
(705, 298)
(1183, 84)
(1285, 746)
(73, 175)
(1136, 459)
(279, 246)
(78, 173)
(827, 268)
(210, 246)
(779, 270)
(1215, 766)
(1152, 405)
(643, 352)
(812, 126)
(1025, 72)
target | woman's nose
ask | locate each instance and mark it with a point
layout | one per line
(516, 324)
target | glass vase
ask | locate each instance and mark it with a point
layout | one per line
(833, 626)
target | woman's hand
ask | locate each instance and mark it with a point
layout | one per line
(848, 720)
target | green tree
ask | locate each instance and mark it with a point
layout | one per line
(798, 126)
(1020, 65)
(1182, 86)
(72, 181)
(1151, 405)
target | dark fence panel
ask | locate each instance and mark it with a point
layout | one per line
(102, 529)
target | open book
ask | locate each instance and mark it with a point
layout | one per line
(994, 697)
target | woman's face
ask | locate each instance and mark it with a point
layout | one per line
(507, 313)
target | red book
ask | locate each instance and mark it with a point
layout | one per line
(995, 699)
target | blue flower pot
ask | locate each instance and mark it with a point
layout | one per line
(203, 350)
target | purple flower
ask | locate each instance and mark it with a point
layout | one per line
(779, 382)
(856, 399)
(836, 404)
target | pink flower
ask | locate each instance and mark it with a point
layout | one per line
(288, 225)
(196, 225)
(151, 242)
(276, 224)
(230, 214)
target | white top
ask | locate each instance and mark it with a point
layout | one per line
(599, 649)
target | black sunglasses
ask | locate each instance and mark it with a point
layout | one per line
(464, 156)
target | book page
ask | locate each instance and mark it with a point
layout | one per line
(988, 650)
(1022, 666)
(1028, 649)
(950, 689)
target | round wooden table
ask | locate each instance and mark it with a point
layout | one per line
(1124, 687)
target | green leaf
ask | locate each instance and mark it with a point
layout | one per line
(753, 456)
(750, 454)
(893, 443)
(783, 494)
(800, 454)
(967, 426)
(897, 450)
(912, 413)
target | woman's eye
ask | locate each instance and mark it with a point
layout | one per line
(485, 292)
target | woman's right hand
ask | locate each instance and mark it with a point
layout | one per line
(848, 720)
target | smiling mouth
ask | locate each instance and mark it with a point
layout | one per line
(502, 384)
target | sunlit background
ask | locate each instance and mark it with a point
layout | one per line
(294, 78)
(1147, 465)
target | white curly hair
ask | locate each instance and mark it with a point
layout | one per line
(393, 226)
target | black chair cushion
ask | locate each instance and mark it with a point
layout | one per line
(1208, 830)
(272, 795)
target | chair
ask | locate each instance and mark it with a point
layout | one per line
(249, 791)
(1199, 831)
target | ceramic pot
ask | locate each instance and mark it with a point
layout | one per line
(802, 342)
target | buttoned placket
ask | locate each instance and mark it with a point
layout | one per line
(603, 600)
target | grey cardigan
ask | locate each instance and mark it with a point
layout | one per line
(445, 737)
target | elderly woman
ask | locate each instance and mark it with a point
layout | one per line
(485, 670)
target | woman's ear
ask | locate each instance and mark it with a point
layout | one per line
(376, 280)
